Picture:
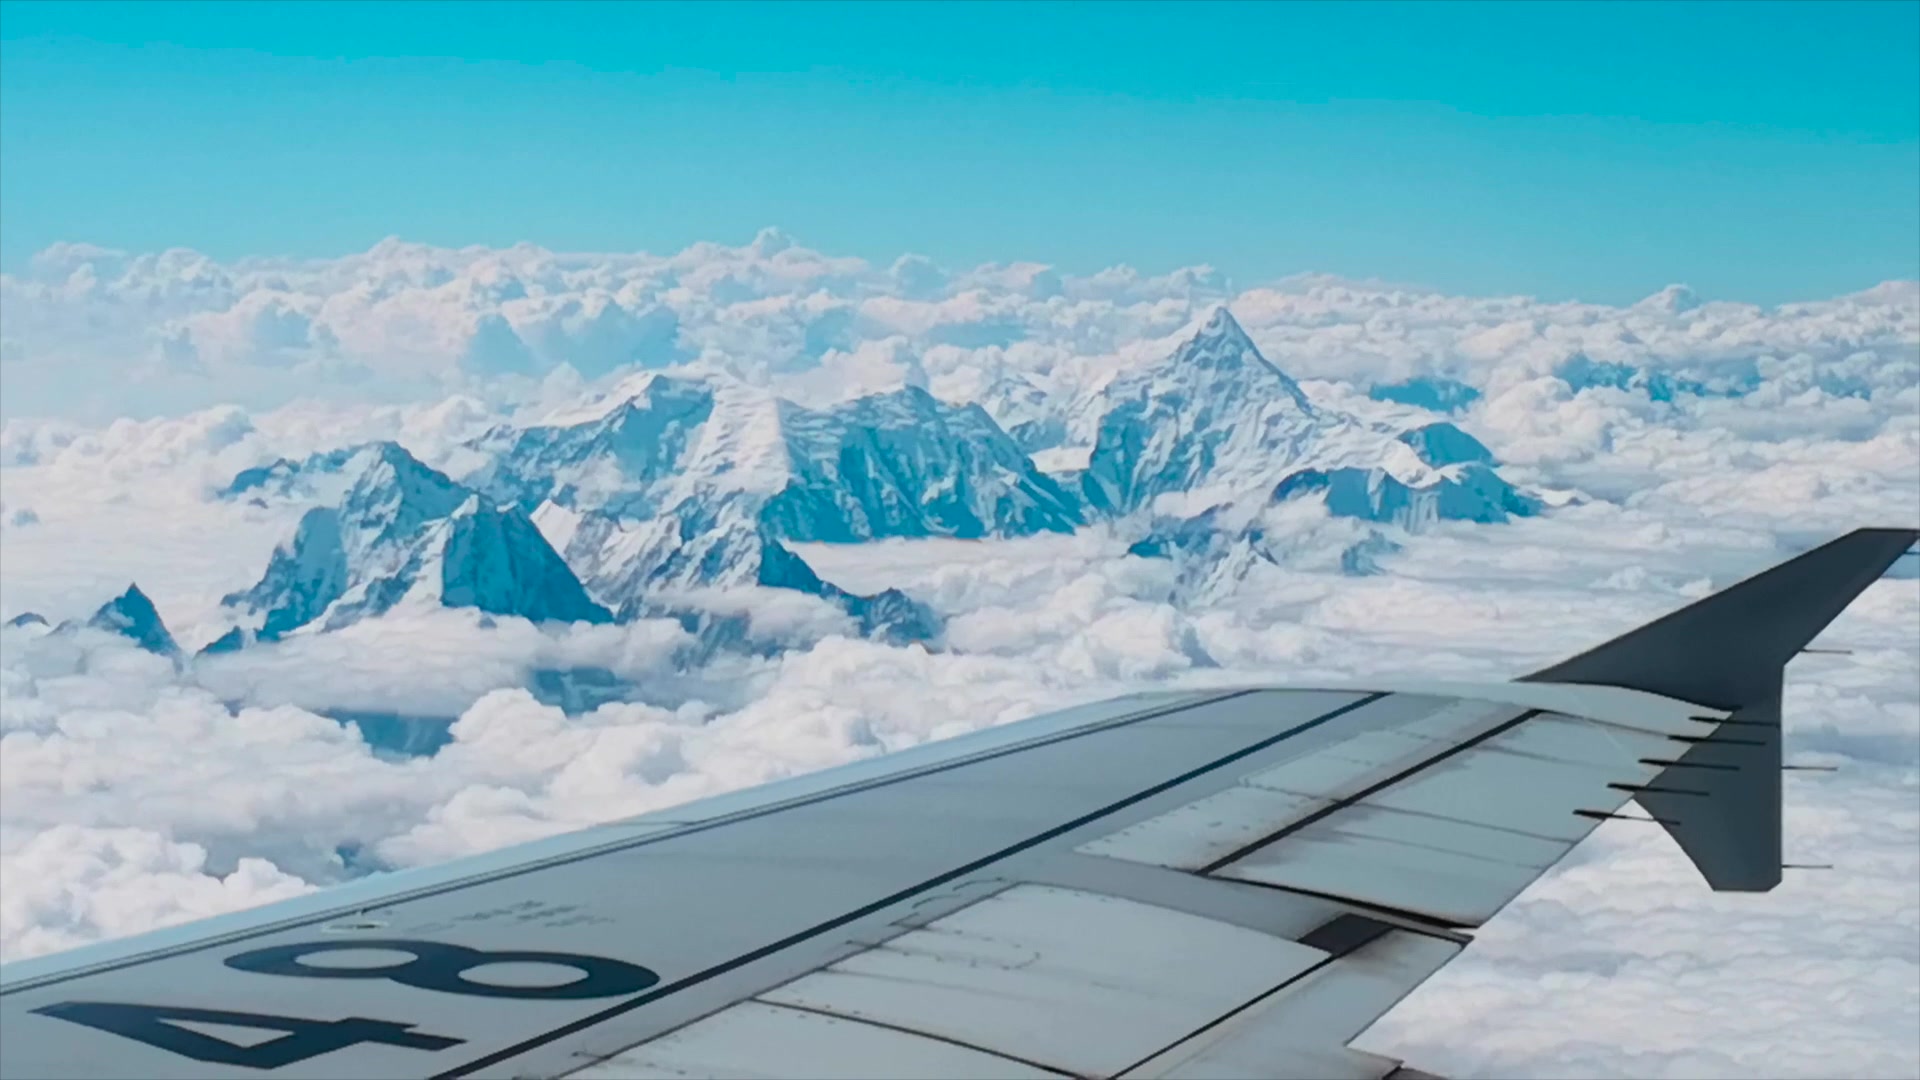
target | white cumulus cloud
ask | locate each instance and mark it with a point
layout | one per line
(134, 795)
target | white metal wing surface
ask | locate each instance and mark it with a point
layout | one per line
(1220, 884)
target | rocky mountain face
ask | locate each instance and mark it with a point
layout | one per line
(404, 533)
(133, 616)
(130, 615)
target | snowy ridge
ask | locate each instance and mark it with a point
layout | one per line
(607, 455)
(901, 463)
(130, 615)
(1217, 552)
(325, 477)
(1465, 492)
(907, 464)
(406, 534)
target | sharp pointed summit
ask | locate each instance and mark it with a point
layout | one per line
(133, 616)
(1222, 344)
(1215, 411)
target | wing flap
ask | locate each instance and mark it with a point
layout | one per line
(758, 1041)
(1302, 1030)
(1222, 826)
(1074, 981)
(1191, 836)
(1458, 835)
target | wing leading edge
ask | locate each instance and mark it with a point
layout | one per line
(1232, 883)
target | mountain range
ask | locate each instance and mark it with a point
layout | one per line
(131, 615)
(666, 487)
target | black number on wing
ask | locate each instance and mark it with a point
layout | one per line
(155, 1025)
(438, 966)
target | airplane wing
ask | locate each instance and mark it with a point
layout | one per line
(1187, 884)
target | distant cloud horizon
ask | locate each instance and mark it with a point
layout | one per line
(1687, 440)
(1758, 151)
(168, 332)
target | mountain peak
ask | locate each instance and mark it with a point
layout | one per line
(1221, 347)
(1213, 412)
(133, 616)
(1221, 323)
(398, 491)
(1672, 300)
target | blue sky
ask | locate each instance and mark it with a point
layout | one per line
(1761, 152)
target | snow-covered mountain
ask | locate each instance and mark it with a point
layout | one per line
(668, 488)
(1419, 477)
(652, 566)
(621, 454)
(1434, 473)
(406, 533)
(897, 464)
(323, 477)
(1441, 444)
(907, 464)
(1213, 421)
(1214, 552)
(131, 615)
(1034, 418)
(1464, 492)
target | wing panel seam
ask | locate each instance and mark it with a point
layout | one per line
(1367, 792)
(905, 1030)
(1226, 1016)
(907, 893)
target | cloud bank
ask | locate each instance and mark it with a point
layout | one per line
(1692, 442)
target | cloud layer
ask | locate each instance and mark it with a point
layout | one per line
(1788, 425)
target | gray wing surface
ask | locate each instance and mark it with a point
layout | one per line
(1218, 884)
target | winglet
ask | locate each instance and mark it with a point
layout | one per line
(1730, 651)
(1727, 650)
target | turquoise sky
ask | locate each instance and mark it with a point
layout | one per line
(1761, 152)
